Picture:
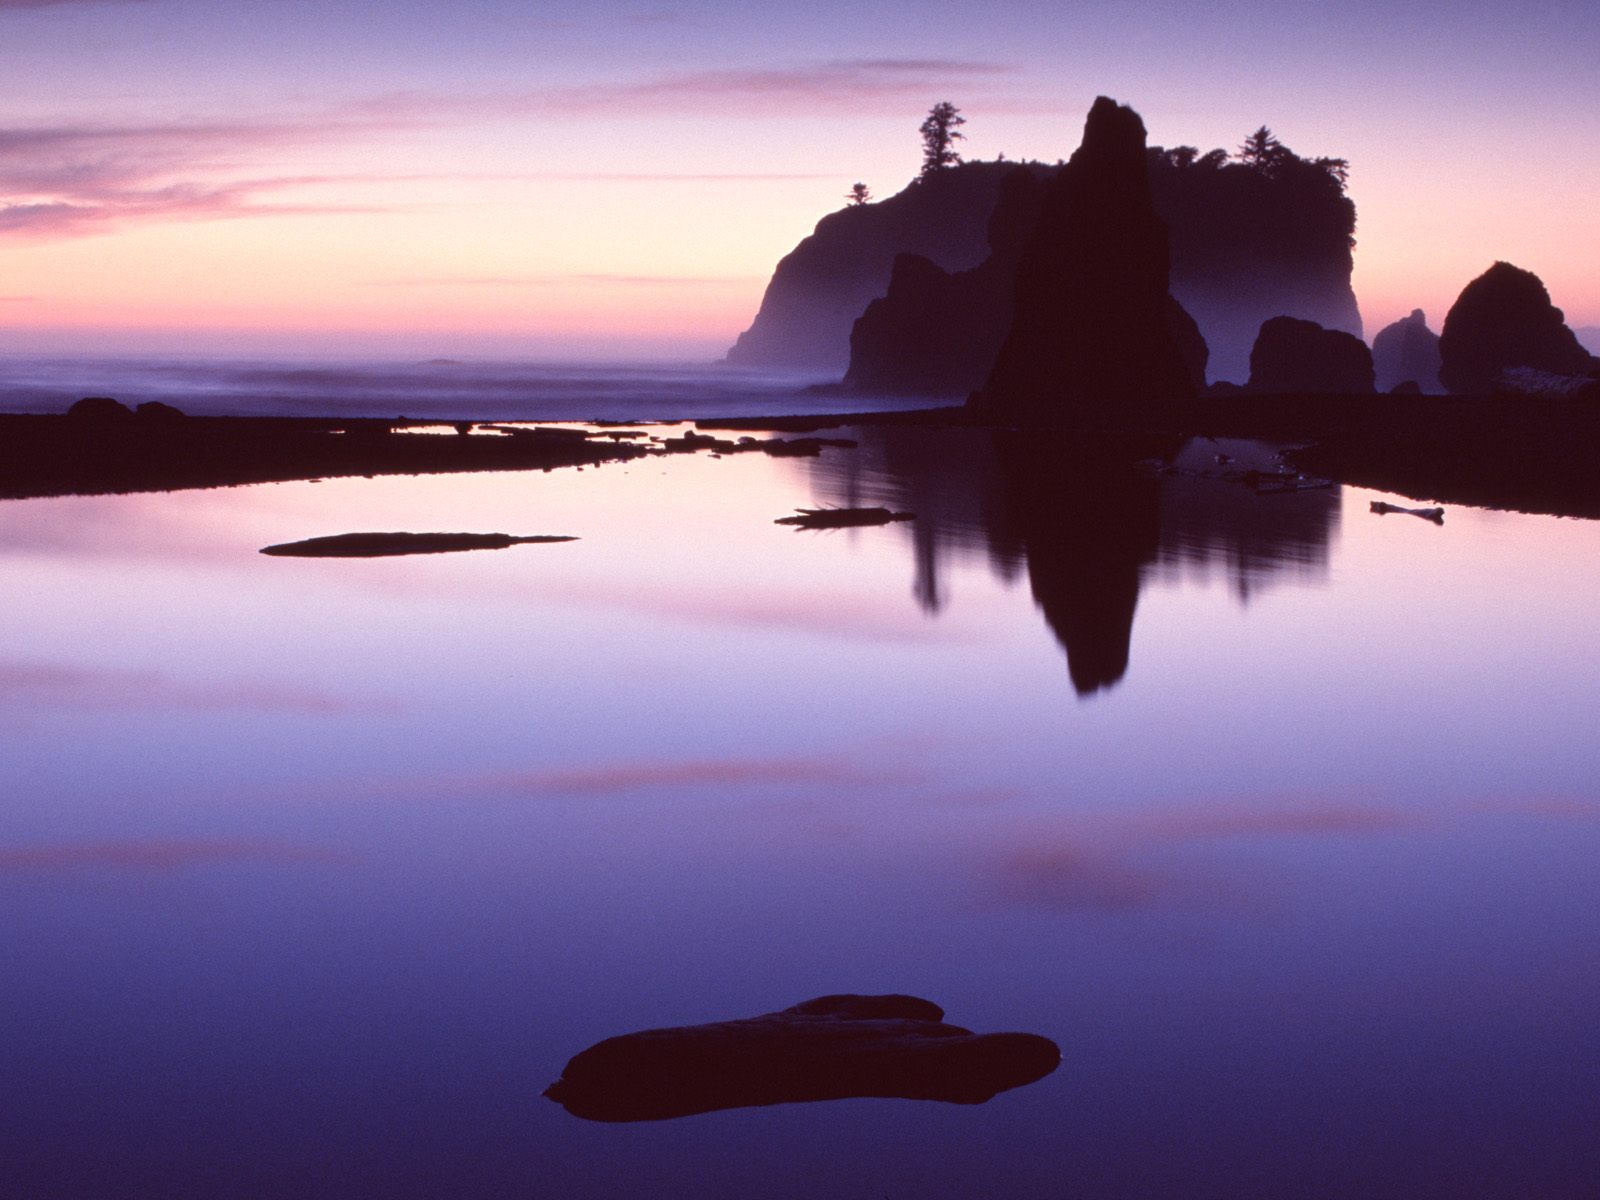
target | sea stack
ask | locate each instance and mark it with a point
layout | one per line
(1504, 319)
(1091, 338)
(1291, 356)
(1407, 352)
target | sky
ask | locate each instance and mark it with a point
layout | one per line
(566, 180)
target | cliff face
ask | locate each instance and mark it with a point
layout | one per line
(827, 281)
(1246, 245)
(1091, 330)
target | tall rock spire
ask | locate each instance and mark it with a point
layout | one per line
(1092, 333)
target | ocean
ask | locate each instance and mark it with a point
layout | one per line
(454, 389)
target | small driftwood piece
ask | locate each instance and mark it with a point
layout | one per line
(382, 545)
(830, 1048)
(1436, 515)
(842, 518)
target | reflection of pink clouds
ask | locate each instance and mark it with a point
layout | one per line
(32, 684)
(162, 854)
(707, 773)
(1233, 822)
(840, 616)
(1563, 807)
(1081, 877)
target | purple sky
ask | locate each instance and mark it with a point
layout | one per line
(560, 179)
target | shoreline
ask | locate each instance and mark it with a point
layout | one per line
(1531, 455)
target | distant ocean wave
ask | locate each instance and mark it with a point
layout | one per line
(442, 388)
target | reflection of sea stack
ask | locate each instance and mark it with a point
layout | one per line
(830, 1048)
(1091, 333)
(1504, 318)
(1089, 523)
(1407, 352)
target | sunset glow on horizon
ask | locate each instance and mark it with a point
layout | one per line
(557, 180)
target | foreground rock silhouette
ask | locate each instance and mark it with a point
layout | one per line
(1407, 352)
(1091, 337)
(384, 545)
(1504, 319)
(1292, 356)
(830, 1048)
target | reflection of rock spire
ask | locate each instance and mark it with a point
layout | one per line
(1083, 519)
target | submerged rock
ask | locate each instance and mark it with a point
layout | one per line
(381, 545)
(1091, 336)
(1504, 319)
(1406, 352)
(830, 1048)
(1301, 356)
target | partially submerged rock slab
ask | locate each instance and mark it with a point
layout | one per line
(842, 518)
(381, 545)
(830, 1048)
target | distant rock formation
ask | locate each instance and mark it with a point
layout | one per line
(1291, 355)
(1090, 334)
(1589, 338)
(1246, 244)
(827, 281)
(1504, 318)
(1407, 352)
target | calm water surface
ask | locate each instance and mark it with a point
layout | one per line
(1278, 815)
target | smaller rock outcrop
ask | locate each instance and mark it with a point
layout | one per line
(1504, 319)
(1291, 355)
(1407, 352)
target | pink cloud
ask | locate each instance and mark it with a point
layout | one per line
(840, 85)
(31, 685)
(161, 855)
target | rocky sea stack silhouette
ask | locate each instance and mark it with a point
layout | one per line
(1302, 356)
(1249, 239)
(1091, 331)
(827, 281)
(1504, 319)
(1407, 352)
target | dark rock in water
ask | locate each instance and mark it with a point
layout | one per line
(154, 410)
(381, 545)
(1406, 351)
(99, 408)
(830, 1048)
(1409, 388)
(1090, 337)
(1503, 319)
(843, 518)
(1301, 356)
